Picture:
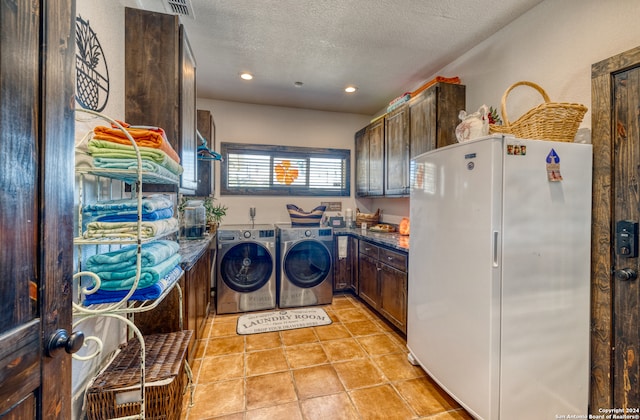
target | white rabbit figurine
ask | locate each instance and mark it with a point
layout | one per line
(473, 125)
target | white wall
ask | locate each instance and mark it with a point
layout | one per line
(259, 124)
(553, 45)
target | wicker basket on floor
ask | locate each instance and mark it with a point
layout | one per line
(553, 121)
(116, 391)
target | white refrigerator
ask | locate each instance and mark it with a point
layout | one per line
(499, 273)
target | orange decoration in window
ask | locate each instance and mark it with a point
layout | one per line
(285, 174)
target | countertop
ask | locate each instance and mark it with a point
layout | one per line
(391, 240)
(192, 249)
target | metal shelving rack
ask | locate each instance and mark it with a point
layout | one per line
(124, 309)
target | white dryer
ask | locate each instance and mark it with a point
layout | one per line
(305, 266)
(246, 268)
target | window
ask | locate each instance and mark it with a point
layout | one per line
(284, 170)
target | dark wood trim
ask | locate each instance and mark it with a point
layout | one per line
(56, 201)
(601, 392)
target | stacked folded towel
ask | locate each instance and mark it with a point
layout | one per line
(118, 218)
(146, 136)
(146, 293)
(112, 149)
(118, 269)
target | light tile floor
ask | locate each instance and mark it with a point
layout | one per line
(355, 368)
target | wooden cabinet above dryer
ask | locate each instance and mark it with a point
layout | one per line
(160, 84)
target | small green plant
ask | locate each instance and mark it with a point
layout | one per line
(215, 212)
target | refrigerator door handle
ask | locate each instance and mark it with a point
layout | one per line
(495, 249)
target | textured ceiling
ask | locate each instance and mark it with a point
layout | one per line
(384, 47)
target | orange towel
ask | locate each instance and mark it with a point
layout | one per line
(143, 136)
(437, 79)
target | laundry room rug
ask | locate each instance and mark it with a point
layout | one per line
(261, 322)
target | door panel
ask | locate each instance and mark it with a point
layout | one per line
(396, 172)
(626, 293)
(615, 303)
(376, 158)
(36, 129)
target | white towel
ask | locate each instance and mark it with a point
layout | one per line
(343, 242)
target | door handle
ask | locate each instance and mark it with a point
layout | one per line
(62, 340)
(626, 274)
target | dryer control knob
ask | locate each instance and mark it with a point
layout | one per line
(307, 233)
(246, 234)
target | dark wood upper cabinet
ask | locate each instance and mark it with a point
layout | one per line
(362, 162)
(160, 85)
(376, 158)
(385, 147)
(396, 146)
(188, 138)
(433, 117)
(370, 160)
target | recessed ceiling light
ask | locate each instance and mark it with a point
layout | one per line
(246, 76)
(350, 89)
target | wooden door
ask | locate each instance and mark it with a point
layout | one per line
(396, 168)
(36, 221)
(615, 343)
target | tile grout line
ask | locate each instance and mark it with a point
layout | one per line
(383, 330)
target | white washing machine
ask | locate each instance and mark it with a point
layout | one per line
(246, 268)
(305, 268)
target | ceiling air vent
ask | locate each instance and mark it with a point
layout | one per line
(179, 7)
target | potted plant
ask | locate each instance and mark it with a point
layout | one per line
(215, 213)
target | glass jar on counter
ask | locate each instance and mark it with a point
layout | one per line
(195, 220)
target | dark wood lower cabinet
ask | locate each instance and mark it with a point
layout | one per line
(368, 280)
(393, 296)
(382, 278)
(345, 266)
(199, 294)
(196, 294)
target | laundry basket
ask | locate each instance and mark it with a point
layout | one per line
(116, 391)
(553, 121)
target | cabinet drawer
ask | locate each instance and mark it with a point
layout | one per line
(396, 260)
(369, 249)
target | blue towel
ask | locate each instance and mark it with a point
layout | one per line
(132, 164)
(124, 280)
(133, 216)
(124, 259)
(127, 205)
(146, 293)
